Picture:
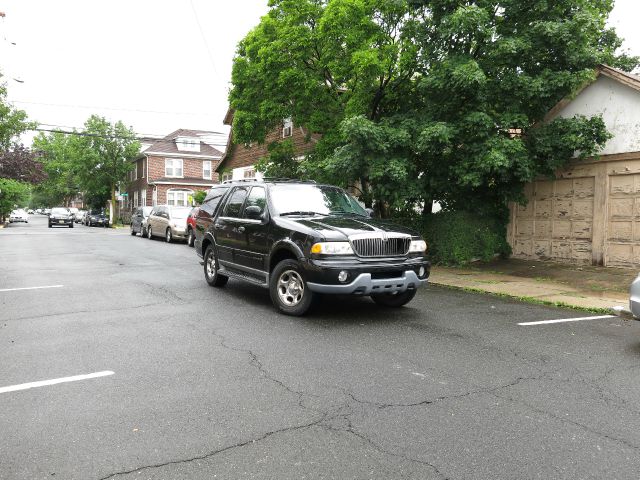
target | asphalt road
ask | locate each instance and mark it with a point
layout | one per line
(213, 383)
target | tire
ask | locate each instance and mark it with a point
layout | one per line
(71, 225)
(394, 300)
(149, 233)
(288, 289)
(211, 274)
(168, 236)
(133, 232)
(143, 232)
(190, 238)
(49, 225)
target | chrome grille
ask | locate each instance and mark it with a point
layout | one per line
(379, 246)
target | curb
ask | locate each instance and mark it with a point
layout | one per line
(525, 299)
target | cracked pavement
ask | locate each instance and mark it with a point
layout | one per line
(214, 383)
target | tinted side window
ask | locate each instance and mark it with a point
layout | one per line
(213, 199)
(233, 208)
(257, 198)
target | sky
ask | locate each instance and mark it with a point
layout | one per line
(157, 65)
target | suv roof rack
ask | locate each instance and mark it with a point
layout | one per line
(269, 179)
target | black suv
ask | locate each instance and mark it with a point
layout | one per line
(301, 238)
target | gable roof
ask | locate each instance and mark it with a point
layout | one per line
(625, 78)
(167, 145)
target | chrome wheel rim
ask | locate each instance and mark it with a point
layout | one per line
(290, 288)
(211, 265)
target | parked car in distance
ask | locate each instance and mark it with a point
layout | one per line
(18, 215)
(139, 216)
(168, 221)
(46, 211)
(299, 239)
(96, 217)
(79, 216)
(31, 211)
(60, 216)
(191, 226)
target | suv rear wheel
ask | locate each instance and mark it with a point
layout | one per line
(211, 274)
(394, 300)
(288, 289)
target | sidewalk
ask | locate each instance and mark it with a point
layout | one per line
(584, 287)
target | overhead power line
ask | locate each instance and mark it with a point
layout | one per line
(111, 137)
(96, 107)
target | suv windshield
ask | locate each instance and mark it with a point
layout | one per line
(59, 211)
(313, 199)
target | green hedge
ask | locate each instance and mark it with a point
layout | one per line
(457, 238)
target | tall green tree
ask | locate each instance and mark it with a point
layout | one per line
(426, 99)
(60, 154)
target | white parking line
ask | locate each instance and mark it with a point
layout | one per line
(29, 288)
(44, 383)
(562, 320)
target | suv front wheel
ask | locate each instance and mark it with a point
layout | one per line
(288, 289)
(211, 274)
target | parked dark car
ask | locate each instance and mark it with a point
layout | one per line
(60, 216)
(137, 219)
(299, 239)
(97, 217)
(191, 226)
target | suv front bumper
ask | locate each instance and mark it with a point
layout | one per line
(364, 284)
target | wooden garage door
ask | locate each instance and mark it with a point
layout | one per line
(622, 245)
(557, 222)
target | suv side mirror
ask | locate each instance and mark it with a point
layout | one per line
(369, 211)
(253, 212)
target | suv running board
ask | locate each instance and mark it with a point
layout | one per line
(241, 275)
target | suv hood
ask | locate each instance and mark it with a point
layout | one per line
(340, 227)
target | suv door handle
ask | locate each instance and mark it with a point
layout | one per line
(240, 229)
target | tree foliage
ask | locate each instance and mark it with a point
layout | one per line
(20, 163)
(94, 162)
(13, 122)
(13, 193)
(425, 99)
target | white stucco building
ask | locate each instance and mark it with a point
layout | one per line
(591, 212)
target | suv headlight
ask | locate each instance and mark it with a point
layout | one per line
(332, 248)
(418, 246)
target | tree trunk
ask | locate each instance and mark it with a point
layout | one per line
(427, 209)
(113, 206)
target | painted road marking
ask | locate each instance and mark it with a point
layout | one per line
(29, 288)
(562, 320)
(44, 383)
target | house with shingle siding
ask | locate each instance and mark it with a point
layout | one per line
(239, 161)
(171, 169)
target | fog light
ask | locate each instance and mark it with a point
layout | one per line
(342, 276)
(421, 272)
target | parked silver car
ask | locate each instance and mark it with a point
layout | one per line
(168, 221)
(634, 298)
(19, 215)
(138, 220)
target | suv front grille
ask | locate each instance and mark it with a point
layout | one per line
(379, 246)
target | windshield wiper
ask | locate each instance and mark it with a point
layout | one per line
(300, 212)
(343, 212)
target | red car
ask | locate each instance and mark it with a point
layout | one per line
(191, 225)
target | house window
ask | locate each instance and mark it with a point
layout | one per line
(135, 199)
(173, 167)
(206, 169)
(188, 144)
(287, 127)
(142, 164)
(143, 197)
(179, 198)
(227, 176)
(250, 172)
